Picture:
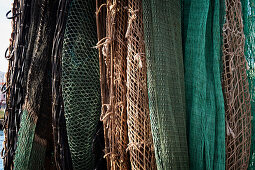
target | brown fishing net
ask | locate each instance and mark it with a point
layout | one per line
(120, 104)
(124, 85)
(112, 56)
(236, 90)
(139, 129)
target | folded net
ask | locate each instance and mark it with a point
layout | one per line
(236, 89)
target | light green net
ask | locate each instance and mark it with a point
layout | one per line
(202, 27)
(26, 143)
(162, 31)
(249, 31)
(81, 85)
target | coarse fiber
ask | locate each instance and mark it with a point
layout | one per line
(113, 66)
(236, 89)
(80, 82)
(202, 29)
(140, 145)
(162, 32)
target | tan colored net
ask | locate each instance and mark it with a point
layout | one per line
(113, 83)
(124, 86)
(139, 130)
(236, 90)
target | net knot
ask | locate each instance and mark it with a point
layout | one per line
(132, 17)
(105, 42)
(137, 58)
(106, 112)
(137, 145)
(230, 131)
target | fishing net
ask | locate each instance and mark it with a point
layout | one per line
(15, 86)
(34, 137)
(249, 31)
(236, 89)
(139, 130)
(162, 29)
(80, 82)
(61, 148)
(202, 25)
(113, 82)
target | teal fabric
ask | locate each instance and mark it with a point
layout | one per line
(163, 42)
(202, 26)
(249, 31)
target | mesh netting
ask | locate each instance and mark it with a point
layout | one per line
(120, 105)
(236, 90)
(139, 130)
(162, 28)
(249, 31)
(80, 78)
(115, 69)
(113, 76)
(202, 25)
(35, 129)
(61, 147)
(15, 81)
(27, 134)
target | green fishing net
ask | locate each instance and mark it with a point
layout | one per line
(249, 31)
(81, 84)
(202, 27)
(26, 133)
(162, 30)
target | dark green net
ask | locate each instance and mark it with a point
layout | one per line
(81, 85)
(163, 42)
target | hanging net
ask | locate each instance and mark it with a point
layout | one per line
(61, 147)
(123, 82)
(80, 82)
(249, 31)
(236, 90)
(15, 82)
(162, 31)
(34, 137)
(112, 54)
(202, 25)
(140, 145)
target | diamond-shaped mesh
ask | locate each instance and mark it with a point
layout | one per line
(162, 32)
(236, 89)
(25, 141)
(124, 88)
(140, 144)
(113, 84)
(80, 80)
